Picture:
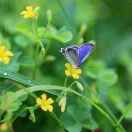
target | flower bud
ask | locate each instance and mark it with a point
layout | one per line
(62, 103)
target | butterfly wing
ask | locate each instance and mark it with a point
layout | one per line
(84, 51)
(71, 54)
(77, 55)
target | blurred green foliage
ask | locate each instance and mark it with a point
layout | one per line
(107, 73)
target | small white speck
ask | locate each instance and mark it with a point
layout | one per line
(5, 74)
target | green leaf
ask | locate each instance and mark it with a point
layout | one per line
(64, 35)
(75, 115)
(27, 61)
(117, 97)
(74, 128)
(70, 123)
(107, 77)
(4, 73)
(104, 76)
(4, 41)
(22, 41)
(25, 81)
(25, 29)
(94, 68)
(127, 111)
(52, 33)
(10, 102)
(80, 86)
(90, 123)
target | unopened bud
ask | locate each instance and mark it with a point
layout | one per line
(49, 16)
(62, 103)
(83, 29)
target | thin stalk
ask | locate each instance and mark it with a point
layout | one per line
(42, 48)
(73, 83)
(36, 61)
(36, 46)
(120, 119)
(118, 129)
(49, 87)
(45, 88)
(103, 113)
(65, 81)
(114, 118)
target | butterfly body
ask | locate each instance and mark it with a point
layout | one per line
(77, 55)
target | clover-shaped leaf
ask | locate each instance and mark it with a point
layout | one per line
(61, 35)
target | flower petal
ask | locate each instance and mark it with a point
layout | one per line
(67, 73)
(5, 54)
(50, 108)
(29, 8)
(38, 101)
(50, 101)
(45, 103)
(68, 66)
(44, 97)
(23, 13)
(75, 76)
(79, 71)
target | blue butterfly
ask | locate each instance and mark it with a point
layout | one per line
(76, 55)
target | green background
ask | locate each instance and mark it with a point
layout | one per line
(109, 23)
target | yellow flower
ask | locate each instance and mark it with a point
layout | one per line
(29, 12)
(72, 71)
(5, 55)
(45, 103)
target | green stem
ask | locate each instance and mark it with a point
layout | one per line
(65, 82)
(51, 87)
(114, 124)
(118, 125)
(36, 61)
(76, 82)
(103, 113)
(36, 46)
(95, 105)
(120, 119)
(73, 83)
(45, 88)
(42, 48)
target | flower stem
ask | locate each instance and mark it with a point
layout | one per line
(36, 61)
(118, 127)
(120, 119)
(36, 46)
(65, 81)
